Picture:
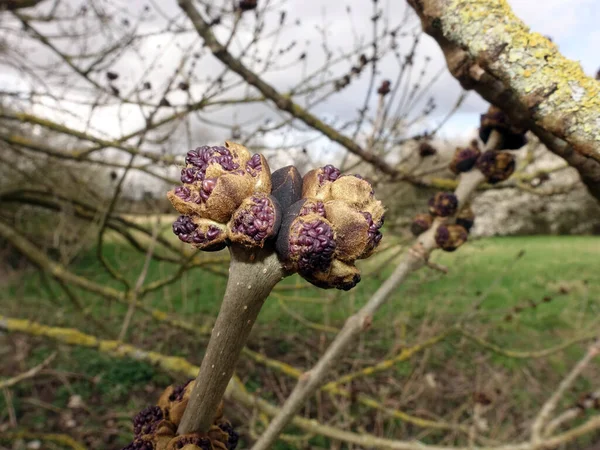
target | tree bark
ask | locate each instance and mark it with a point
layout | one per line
(488, 49)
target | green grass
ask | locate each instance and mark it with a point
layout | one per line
(487, 272)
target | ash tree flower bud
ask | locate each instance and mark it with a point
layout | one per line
(384, 88)
(200, 233)
(141, 444)
(513, 137)
(216, 181)
(175, 399)
(255, 221)
(155, 426)
(466, 218)
(307, 243)
(337, 221)
(450, 237)
(420, 224)
(232, 436)
(443, 204)
(496, 166)
(317, 183)
(152, 420)
(464, 159)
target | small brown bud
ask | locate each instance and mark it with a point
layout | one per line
(247, 5)
(384, 88)
(174, 400)
(513, 137)
(443, 204)
(420, 224)
(426, 149)
(466, 218)
(450, 237)
(464, 159)
(340, 276)
(287, 186)
(496, 166)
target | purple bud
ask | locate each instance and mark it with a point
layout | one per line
(313, 207)
(443, 204)
(464, 159)
(184, 228)
(233, 437)
(140, 444)
(420, 224)
(496, 166)
(256, 220)
(146, 421)
(312, 244)
(328, 173)
(179, 391)
(207, 187)
(189, 174)
(254, 165)
(450, 237)
(374, 233)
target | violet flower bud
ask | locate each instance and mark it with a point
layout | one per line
(466, 218)
(496, 166)
(312, 207)
(443, 204)
(141, 444)
(420, 224)
(307, 243)
(232, 436)
(152, 420)
(464, 159)
(513, 137)
(317, 183)
(200, 233)
(217, 179)
(450, 237)
(255, 221)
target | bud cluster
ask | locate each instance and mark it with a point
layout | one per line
(155, 427)
(448, 236)
(320, 224)
(225, 198)
(336, 221)
(513, 137)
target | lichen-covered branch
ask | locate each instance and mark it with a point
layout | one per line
(488, 49)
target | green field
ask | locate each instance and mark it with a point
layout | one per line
(522, 293)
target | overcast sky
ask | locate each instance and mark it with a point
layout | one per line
(572, 24)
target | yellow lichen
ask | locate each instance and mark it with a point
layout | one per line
(528, 63)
